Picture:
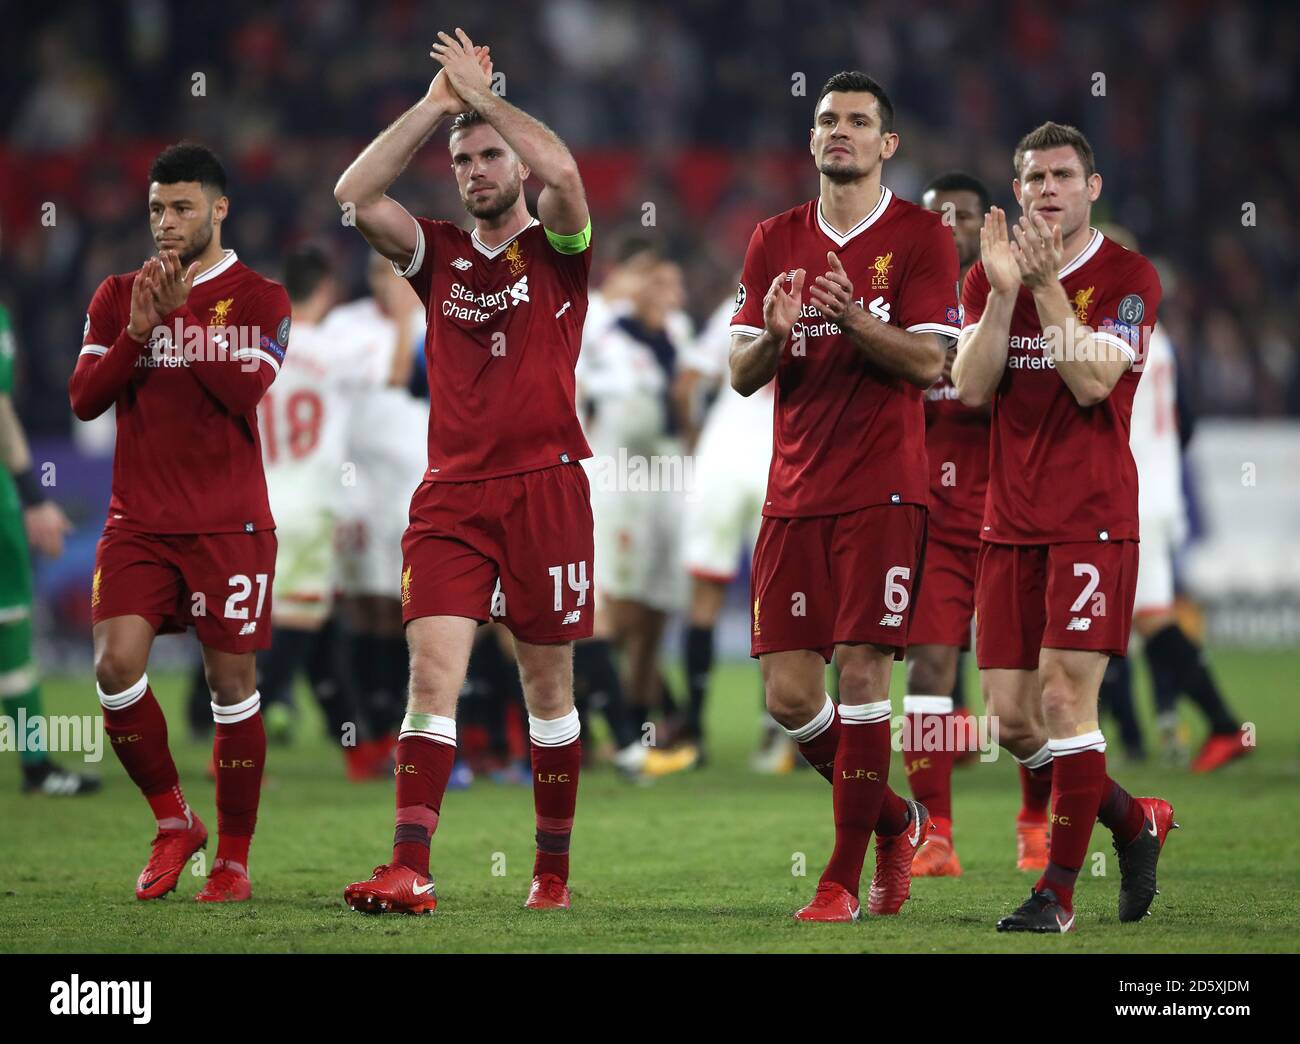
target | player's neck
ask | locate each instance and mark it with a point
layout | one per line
(1075, 244)
(492, 232)
(212, 254)
(845, 203)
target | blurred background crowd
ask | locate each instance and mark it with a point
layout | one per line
(688, 121)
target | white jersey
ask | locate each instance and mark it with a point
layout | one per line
(303, 419)
(1153, 436)
(388, 437)
(736, 423)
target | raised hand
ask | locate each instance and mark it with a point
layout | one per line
(781, 309)
(144, 308)
(1038, 250)
(443, 94)
(1000, 265)
(174, 286)
(832, 293)
(46, 526)
(468, 74)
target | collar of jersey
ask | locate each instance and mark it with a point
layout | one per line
(490, 252)
(227, 259)
(1085, 255)
(840, 238)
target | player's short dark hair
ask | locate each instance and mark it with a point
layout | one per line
(465, 120)
(852, 80)
(632, 246)
(1053, 136)
(188, 161)
(305, 268)
(960, 181)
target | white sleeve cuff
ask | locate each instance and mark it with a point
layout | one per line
(417, 258)
(1118, 342)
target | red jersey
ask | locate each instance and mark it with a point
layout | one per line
(1060, 472)
(846, 434)
(957, 443)
(505, 326)
(188, 457)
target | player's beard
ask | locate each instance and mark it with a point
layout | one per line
(494, 208)
(200, 243)
(842, 175)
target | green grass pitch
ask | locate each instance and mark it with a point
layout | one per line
(699, 862)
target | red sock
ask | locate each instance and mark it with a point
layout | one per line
(819, 739)
(861, 774)
(137, 730)
(239, 755)
(1119, 813)
(423, 768)
(1035, 793)
(555, 790)
(928, 756)
(1078, 775)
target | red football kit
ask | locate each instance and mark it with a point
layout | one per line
(957, 443)
(1058, 565)
(843, 533)
(189, 539)
(501, 526)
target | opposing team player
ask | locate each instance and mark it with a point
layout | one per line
(26, 515)
(1054, 322)
(185, 347)
(1176, 664)
(723, 514)
(840, 549)
(504, 498)
(957, 444)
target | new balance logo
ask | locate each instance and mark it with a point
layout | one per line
(572, 618)
(462, 264)
(1079, 623)
(248, 628)
(891, 620)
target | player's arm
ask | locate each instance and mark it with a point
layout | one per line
(1089, 365)
(109, 354)
(916, 357)
(387, 225)
(754, 358)
(982, 347)
(562, 204)
(44, 520)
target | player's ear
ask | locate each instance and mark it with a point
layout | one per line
(1015, 188)
(220, 208)
(812, 134)
(888, 145)
(1094, 187)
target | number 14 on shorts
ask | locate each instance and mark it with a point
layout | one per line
(578, 583)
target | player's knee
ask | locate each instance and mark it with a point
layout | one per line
(116, 670)
(925, 676)
(865, 681)
(229, 686)
(433, 686)
(792, 705)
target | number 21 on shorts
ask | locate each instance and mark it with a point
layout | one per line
(236, 609)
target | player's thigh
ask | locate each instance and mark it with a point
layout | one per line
(1013, 706)
(715, 520)
(1071, 682)
(945, 602)
(1089, 596)
(931, 669)
(875, 562)
(546, 674)
(304, 572)
(865, 672)
(231, 678)
(547, 554)
(1010, 606)
(439, 648)
(122, 645)
(795, 683)
(792, 605)
(1154, 593)
(228, 579)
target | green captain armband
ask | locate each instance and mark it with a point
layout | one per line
(574, 244)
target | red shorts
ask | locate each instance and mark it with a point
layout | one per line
(1053, 596)
(819, 582)
(217, 583)
(945, 603)
(518, 549)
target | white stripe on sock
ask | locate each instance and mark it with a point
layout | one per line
(555, 732)
(821, 721)
(433, 727)
(866, 713)
(237, 712)
(123, 699)
(927, 704)
(1039, 758)
(1093, 740)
